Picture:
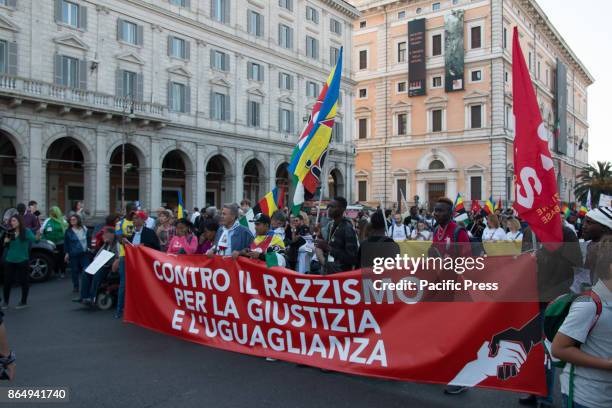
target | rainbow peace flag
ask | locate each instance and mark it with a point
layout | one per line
(271, 202)
(458, 207)
(489, 207)
(309, 155)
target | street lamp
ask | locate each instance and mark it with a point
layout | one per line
(125, 166)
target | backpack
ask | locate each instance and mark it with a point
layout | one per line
(558, 309)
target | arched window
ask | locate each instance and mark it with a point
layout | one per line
(436, 165)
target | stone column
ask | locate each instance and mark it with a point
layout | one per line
(36, 171)
(90, 188)
(200, 176)
(190, 191)
(238, 178)
(101, 177)
(22, 167)
(155, 184)
(452, 185)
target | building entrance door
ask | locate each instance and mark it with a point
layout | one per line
(435, 191)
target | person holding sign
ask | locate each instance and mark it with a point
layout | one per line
(91, 279)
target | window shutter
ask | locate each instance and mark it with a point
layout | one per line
(139, 35)
(213, 8)
(12, 3)
(58, 70)
(226, 11)
(308, 47)
(187, 50)
(260, 73)
(12, 58)
(249, 114)
(83, 74)
(58, 11)
(82, 17)
(119, 29)
(290, 32)
(187, 103)
(169, 45)
(226, 113)
(291, 82)
(260, 25)
(119, 83)
(280, 80)
(226, 62)
(139, 87)
(291, 120)
(249, 70)
(169, 94)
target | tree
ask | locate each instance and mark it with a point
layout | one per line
(597, 179)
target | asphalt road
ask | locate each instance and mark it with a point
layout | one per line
(108, 363)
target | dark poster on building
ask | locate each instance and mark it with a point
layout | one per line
(416, 57)
(561, 108)
(453, 51)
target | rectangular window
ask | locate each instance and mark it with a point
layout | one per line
(177, 48)
(254, 23)
(286, 4)
(312, 15)
(363, 93)
(401, 15)
(70, 13)
(505, 38)
(401, 87)
(475, 188)
(219, 60)
(129, 84)
(70, 72)
(363, 128)
(337, 132)
(129, 32)
(285, 120)
(333, 55)
(254, 71)
(476, 40)
(219, 106)
(335, 26)
(475, 116)
(436, 45)
(363, 59)
(177, 97)
(476, 75)
(220, 10)
(312, 89)
(539, 67)
(285, 81)
(254, 110)
(435, 7)
(312, 47)
(362, 190)
(401, 51)
(436, 82)
(285, 36)
(402, 123)
(436, 120)
(530, 60)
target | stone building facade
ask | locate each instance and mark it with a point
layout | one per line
(108, 100)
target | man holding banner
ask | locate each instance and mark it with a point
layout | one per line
(232, 237)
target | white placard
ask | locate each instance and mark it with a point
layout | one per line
(99, 261)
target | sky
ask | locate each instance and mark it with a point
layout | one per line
(586, 27)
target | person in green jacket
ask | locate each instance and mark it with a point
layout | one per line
(17, 259)
(53, 230)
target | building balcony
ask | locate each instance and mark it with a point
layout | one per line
(46, 95)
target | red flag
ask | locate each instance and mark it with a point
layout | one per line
(475, 207)
(537, 200)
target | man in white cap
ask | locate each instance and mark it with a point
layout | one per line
(597, 223)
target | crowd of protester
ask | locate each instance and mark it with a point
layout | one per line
(304, 244)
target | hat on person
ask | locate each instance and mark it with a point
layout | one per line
(141, 214)
(601, 215)
(261, 218)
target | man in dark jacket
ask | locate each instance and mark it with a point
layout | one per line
(143, 235)
(340, 245)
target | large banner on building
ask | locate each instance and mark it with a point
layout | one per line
(453, 51)
(417, 76)
(561, 108)
(339, 322)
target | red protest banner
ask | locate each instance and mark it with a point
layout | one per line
(337, 322)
